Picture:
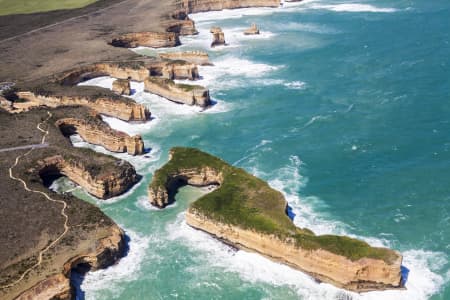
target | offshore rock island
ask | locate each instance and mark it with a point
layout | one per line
(246, 213)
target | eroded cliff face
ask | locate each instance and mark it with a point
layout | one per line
(180, 93)
(161, 197)
(122, 87)
(107, 252)
(99, 183)
(147, 39)
(196, 57)
(103, 135)
(135, 70)
(126, 110)
(194, 6)
(360, 276)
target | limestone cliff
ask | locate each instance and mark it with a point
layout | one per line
(181, 93)
(147, 39)
(200, 58)
(182, 25)
(102, 183)
(246, 212)
(218, 37)
(122, 87)
(134, 70)
(96, 132)
(107, 252)
(194, 6)
(122, 108)
(362, 275)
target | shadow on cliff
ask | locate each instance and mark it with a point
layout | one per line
(78, 274)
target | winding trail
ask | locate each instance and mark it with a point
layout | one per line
(63, 210)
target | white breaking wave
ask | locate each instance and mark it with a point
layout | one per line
(295, 85)
(126, 270)
(352, 7)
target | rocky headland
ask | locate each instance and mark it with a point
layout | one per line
(57, 233)
(248, 214)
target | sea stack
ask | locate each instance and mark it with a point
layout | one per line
(122, 86)
(252, 30)
(218, 37)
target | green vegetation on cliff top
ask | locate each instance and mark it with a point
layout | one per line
(250, 203)
(10, 7)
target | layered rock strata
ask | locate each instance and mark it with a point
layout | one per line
(99, 133)
(147, 39)
(134, 70)
(252, 30)
(123, 108)
(180, 93)
(195, 6)
(200, 58)
(106, 253)
(218, 37)
(102, 185)
(122, 86)
(183, 25)
(246, 213)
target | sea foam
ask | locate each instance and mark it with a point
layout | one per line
(126, 270)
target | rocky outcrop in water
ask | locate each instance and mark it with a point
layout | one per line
(200, 58)
(96, 132)
(252, 30)
(246, 213)
(147, 39)
(122, 87)
(218, 37)
(121, 108)
(180, 93)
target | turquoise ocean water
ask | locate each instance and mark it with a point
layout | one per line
(344, 107)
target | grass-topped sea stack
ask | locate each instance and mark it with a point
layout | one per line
(246, 212)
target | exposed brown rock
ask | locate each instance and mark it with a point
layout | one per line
(360, 276)
(124, 110)
(181, 93)
(95, 131)
(122, 87)
(147, 39)
(252, 30)
(102, 185)
(196, 57)
(135, 70)
(205, 176)
(183, 25)
(218, 37)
